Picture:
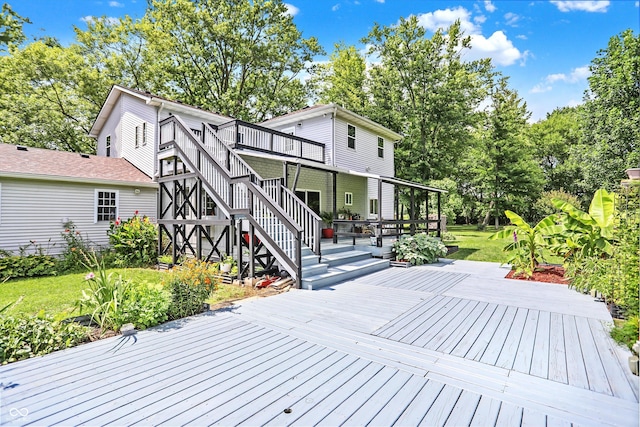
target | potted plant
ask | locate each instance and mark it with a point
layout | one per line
(327, 219)
(226, 264)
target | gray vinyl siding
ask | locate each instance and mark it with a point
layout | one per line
(36, 210)
(356, 185)
(365, 155)
(388, 198)
(111, 128)
(319, 129)
(135, 112)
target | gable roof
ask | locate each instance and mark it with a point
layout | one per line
(40, 163)
(154, 100)
(321, 109)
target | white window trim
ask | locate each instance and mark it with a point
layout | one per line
(144, 133)
(373, 214)
(137, 137)
(107, 146)
(378, 146)
(95, 202)
(349, 196)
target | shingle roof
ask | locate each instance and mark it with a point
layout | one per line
(66, 165)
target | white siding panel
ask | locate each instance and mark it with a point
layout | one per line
(135, 112)
(37, 210)
(319, 129)
(111, 128)
(364, 158)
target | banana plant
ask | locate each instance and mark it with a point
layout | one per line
(586, 233)
(527, 241)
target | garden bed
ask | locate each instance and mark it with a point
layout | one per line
(544, 273)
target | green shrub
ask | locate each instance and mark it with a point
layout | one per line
(34, 264)
(419, 249)
(77, 246)
(145, 305)
(105, 296)
(134, 241)
(190, 285)
(23, 337)
(627, 334)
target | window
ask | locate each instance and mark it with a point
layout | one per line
(348, 199)
(311, 198)
(108, 146)
(209, 205)
(351, 136)
(144, 134)
(106, 203)
(373, 206)
(380, 147)
(137, 136)
(288, 142)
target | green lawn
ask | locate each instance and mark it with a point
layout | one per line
(476, 246)
(57, 294)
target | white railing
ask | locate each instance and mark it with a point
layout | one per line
(237, 192)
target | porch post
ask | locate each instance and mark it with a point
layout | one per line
(379, 236)
(285, 171)
(412, 212)
(426, 209)
(439, 232)
(334, 206)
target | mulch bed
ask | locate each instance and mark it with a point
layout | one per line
(546, 273)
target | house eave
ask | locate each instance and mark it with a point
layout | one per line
(77, 180)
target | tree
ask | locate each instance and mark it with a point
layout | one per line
(342, 80)
(42, 103)
(11, 27)
(436, 95)
(502, 163)
(556, 142)
(612, 113)
(239, 57)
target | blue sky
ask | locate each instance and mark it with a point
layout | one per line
(545, 47)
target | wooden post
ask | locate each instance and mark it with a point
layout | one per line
(412, 212)
(439, 233)
(379, 236)
(335, 206)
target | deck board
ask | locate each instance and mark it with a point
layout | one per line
(405, 346)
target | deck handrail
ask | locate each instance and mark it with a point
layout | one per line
(281, 234)
(295, 208)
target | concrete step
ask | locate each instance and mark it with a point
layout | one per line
(313, 270)
(343, 272)
(308, 260)
(344, 257)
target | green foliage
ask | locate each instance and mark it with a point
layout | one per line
(145, 305)
(32, 262)
(586, 234)
(190, 284)
(627, 333)
(327, 218)
(544, 205)
(105, 296)
(528, 242)
(134, 241)
(11, 27)
(419, 249)
(611, 122)
(73, 257)
(22, 337)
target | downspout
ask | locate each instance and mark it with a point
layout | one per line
(333, 135)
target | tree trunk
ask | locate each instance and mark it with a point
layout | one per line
(485, 222)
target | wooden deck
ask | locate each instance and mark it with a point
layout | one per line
(452, 344)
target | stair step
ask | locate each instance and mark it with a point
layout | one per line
(314, 270)
(345, 257)
(344, 272)
(326, 250)
(309, 260)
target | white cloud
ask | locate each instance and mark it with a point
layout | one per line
(480, 19)
(540, 88)
(335, 7)
(577, 75)
(443, 18)
(521, 37)
(291, 9)
(115, 4)
(379, 1)
(497, 47)
(110, 20)
(586, 6)
(490, 7)
(511, 19)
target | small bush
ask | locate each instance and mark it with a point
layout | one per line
(190, 285)
(34, 264)
(23, 337)
(134, 241)
(419, 249)
(627, 334)
(146, 305)
(77, 246)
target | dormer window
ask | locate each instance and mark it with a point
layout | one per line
(108, 145)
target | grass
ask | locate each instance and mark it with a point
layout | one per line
(231, 293)
(56, 295)
(475, 245)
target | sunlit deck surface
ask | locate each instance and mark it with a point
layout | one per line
(448, 344)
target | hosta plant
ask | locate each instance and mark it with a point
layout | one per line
(419, 249)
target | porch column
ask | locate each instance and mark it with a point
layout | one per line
(426, 208)
(439, 232)
(334, 206)
(379, 236)
(412, 212)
